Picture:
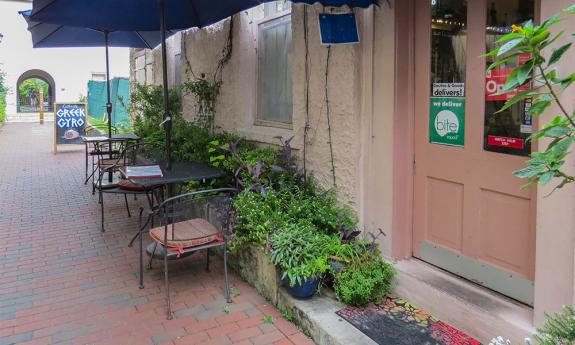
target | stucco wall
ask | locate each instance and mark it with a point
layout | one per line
(360, 81)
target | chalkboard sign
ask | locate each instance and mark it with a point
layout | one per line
(69, 123)
(338, 28)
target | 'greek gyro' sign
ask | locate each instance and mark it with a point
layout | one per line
(69, 123)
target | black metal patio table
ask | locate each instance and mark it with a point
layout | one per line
(180, 173)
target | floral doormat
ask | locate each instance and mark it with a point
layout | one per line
(397, 322)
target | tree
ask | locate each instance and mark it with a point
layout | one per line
(538, 80)
(32, 83)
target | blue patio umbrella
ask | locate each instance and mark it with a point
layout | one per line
(151, 15)
(339, 3)
(145, 15)
(47, 35)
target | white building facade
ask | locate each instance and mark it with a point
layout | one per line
(66, 70)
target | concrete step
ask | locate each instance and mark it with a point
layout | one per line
(479, 312)
(29, 117)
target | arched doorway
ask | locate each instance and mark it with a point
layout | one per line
(28, 91)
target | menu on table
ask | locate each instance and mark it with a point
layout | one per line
(143, 171)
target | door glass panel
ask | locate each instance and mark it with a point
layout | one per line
(448, 41)
(448, 68)
(507, 131)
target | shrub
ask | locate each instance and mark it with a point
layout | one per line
(359, 285)
(148, 109)
(190, 142)
(322, 209)
(258, 216)
(3, 91)
(2, 106)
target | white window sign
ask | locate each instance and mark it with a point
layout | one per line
(448, 90)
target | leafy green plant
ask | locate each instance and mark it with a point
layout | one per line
(216, 158)
(258, 216)
(298, 249)
(288, 315)
(359, 285)
(148, 110)
(268, 319)
(102, 125)
(3, 91)
(235, 292)
(539, 80)
(322, 209)
(559, 329)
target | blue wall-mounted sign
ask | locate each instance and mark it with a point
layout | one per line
(338, 28)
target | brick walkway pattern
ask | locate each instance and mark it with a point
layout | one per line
(62, 281)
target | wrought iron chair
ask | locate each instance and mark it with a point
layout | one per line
(190, 222)
(94, 150)
(142, 153)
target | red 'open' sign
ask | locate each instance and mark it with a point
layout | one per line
(495, 80)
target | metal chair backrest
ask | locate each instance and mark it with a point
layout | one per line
(146, 153)
(212, 205)
(142, 153)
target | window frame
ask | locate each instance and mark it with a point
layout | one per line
(257, 120)
(140, 54)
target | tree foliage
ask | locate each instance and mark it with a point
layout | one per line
(540, 81)
(32, 84)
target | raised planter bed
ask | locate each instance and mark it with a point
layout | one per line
(315, 316)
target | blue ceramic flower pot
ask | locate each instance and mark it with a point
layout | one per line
(304, 290)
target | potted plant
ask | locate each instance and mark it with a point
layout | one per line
(298, 249)
(342, 252)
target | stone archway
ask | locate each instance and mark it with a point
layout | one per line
(44, 76)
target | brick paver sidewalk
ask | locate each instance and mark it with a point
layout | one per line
(64, 282)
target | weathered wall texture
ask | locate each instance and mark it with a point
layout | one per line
(360, 80)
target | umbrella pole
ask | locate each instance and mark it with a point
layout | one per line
(109, 103)
(167, 119)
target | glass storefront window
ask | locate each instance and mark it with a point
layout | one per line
(448, 69)
(448, 41)
(507, 131)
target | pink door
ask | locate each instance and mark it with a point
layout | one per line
(470, 215)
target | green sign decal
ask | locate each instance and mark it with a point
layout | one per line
(447, 121)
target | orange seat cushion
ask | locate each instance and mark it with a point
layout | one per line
(187, 234)
(128, 185)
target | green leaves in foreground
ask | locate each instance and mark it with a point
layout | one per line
(538, 81)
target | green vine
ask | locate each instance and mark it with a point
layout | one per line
(205, 89)
(206, 93)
